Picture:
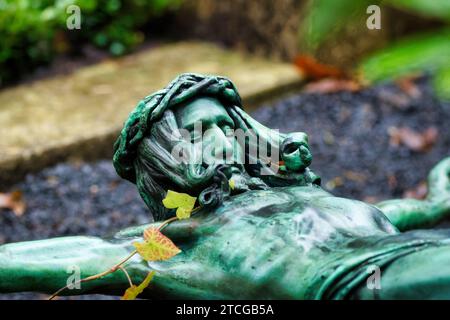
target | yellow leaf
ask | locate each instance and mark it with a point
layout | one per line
(184, 202)
(232, 184)
(183, 213)
(132, 292)
(156, 246)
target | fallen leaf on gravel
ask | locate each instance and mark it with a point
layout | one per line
(419, 192)
(113, 185)
(332, 85)
(328, 137)
(316, 70)
(334, 183)
(408, 86)
(355, 176)
(13, 201)
(396, 99)
(371, 199)
(415, 141)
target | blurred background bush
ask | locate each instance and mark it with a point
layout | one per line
(414, 35)
(420, 52)
(33, 31)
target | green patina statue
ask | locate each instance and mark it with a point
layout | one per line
(272, 234)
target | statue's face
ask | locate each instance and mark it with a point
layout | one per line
(210, 127)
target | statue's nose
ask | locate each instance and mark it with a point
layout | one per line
(295, 151)
(217, 146)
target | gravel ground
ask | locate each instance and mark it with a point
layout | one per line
(348, 137)
(71, 199)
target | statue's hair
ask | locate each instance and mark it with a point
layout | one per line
(142, 153)
(151, 109)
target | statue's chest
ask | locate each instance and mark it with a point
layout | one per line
(275, 219)
(281, 238)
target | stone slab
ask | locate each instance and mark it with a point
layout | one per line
(80, 115)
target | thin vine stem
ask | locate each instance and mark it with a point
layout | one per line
(165, 223)
(127, 275)
(96, 276)
(114, 268)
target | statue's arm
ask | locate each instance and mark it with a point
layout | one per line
(407, 214)
(47, 265)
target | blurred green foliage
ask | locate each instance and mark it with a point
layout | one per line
(429, 52)
(33, 31)
(425, 52)
(439, 9)
(325, 18)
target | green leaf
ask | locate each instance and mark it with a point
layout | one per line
(426, 52)
(428, 8)
(325, 18)
(442, 83)
(184, 202)
(132, 292)
(183, 213)
(156, 247)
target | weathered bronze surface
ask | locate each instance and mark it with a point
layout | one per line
(274, 234)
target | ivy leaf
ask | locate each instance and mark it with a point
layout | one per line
(232, 184)
(156, 247)
(184, 202)
(132, 292)
(183, 213)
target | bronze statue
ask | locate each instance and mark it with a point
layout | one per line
(272, 233)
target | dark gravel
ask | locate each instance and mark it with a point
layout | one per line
(348, 137)
(71, 199)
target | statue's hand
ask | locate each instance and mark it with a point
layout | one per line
(295, 152)
(408, 214)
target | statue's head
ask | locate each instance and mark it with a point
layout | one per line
(194, 137)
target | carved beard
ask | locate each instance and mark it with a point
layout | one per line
(242, 181)
(220, 188)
